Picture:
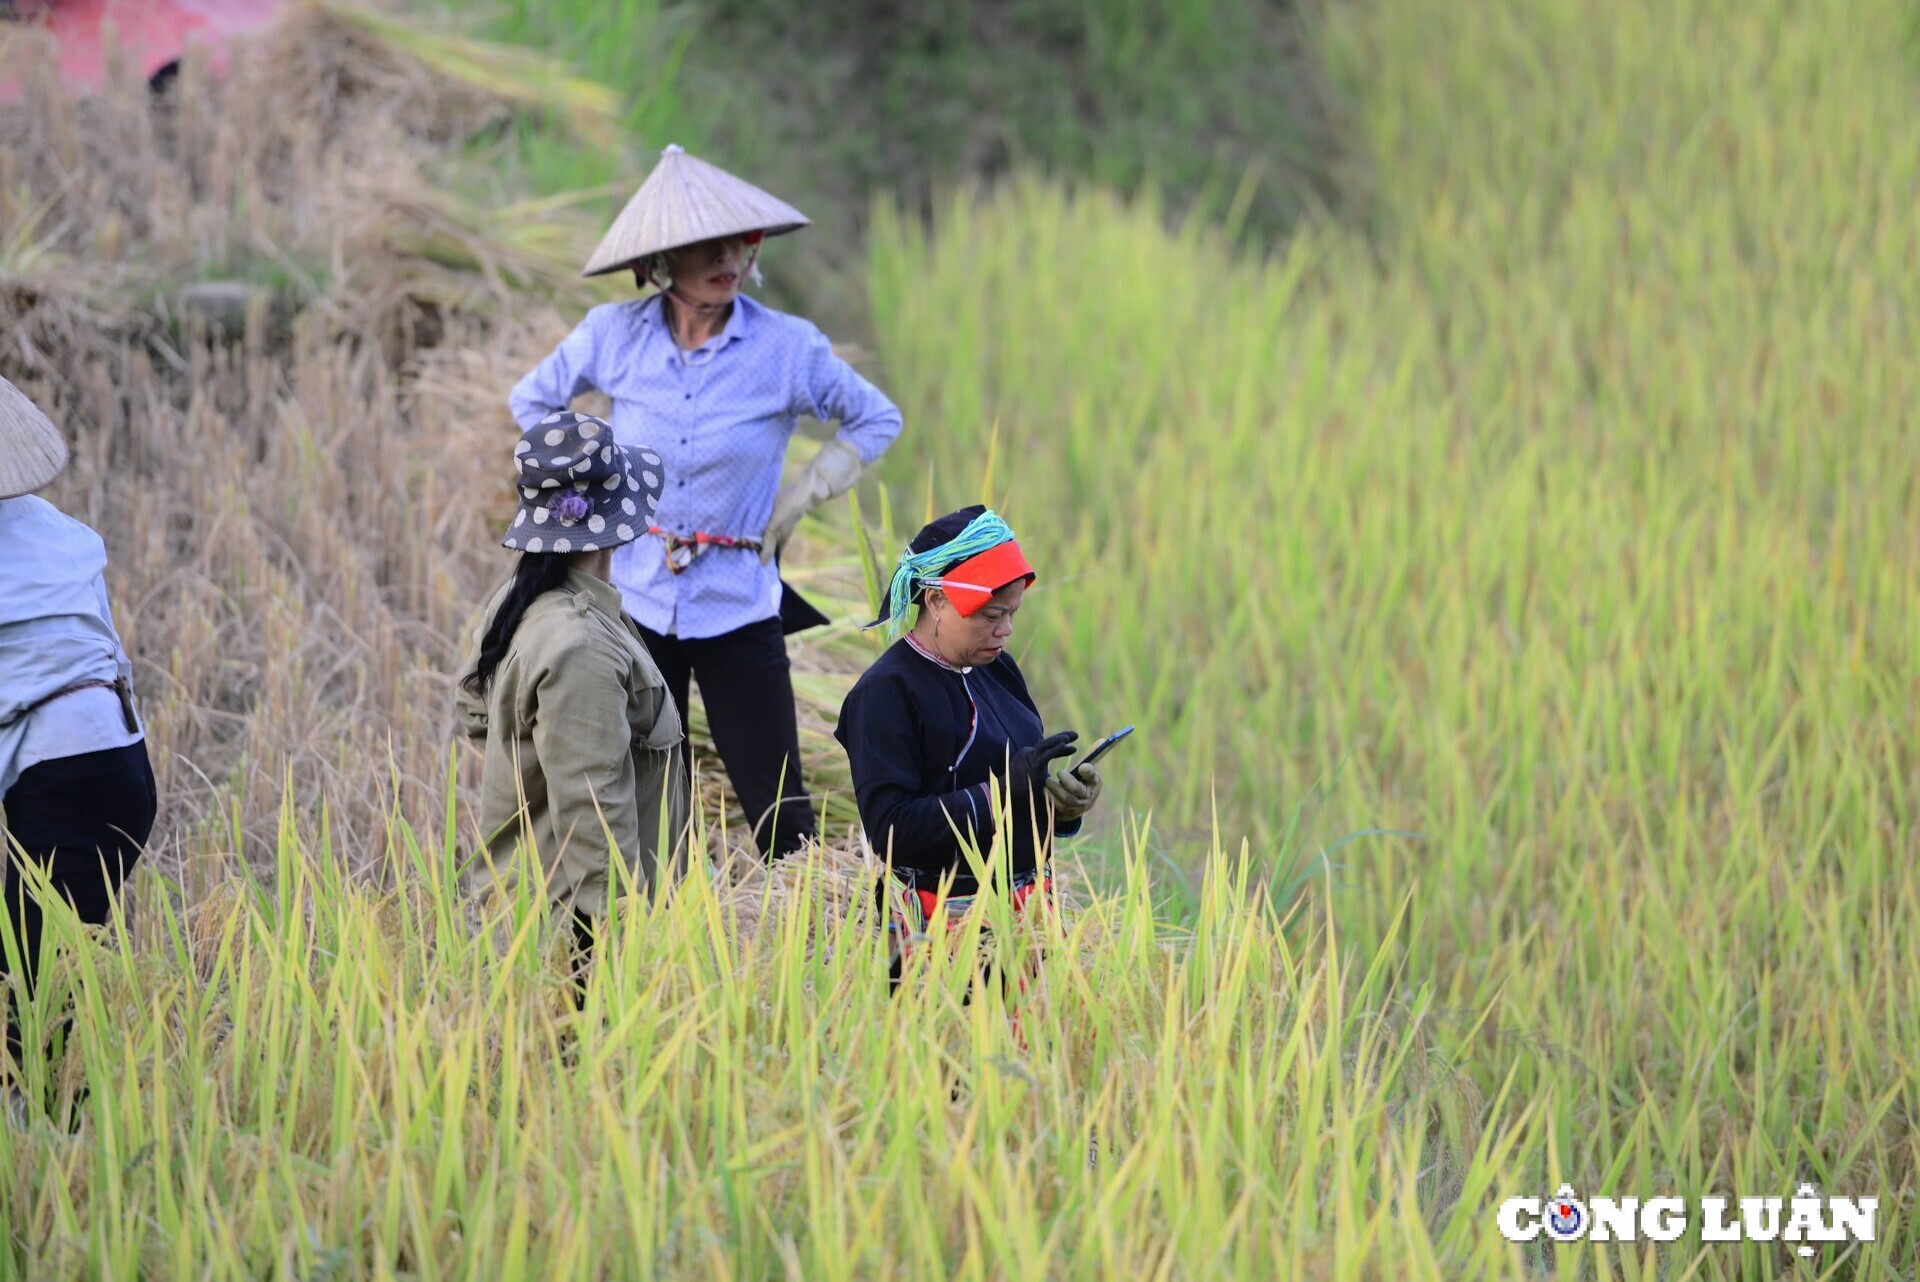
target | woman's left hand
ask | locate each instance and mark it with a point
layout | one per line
(1074, 792)
(831, 473)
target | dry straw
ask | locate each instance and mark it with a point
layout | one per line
(281, 350)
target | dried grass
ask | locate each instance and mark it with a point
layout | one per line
(302, 514)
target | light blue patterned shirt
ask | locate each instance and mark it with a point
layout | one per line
(720, 418)
(56, 631)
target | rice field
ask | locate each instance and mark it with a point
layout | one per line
(1516, 592)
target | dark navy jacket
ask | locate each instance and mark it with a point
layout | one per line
(924, 740)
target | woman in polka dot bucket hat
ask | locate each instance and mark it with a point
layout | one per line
(584, 770)
(579, 491)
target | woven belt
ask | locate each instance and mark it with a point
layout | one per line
(682, 548)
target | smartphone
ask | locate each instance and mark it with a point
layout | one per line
(1102, 748)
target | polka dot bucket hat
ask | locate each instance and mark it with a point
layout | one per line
(579, 490)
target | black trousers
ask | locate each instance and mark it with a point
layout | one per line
(747, 685)
(83, 820)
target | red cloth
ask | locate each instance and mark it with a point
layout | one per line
(913, 909)
(987, 573)
(151, 33)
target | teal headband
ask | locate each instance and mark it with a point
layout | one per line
(982, 534)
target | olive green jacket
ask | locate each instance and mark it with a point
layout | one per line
(579, 725)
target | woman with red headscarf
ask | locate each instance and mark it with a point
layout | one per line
(942, 733)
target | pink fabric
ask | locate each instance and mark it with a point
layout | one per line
(152, 33)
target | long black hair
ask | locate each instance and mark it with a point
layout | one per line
(535, 573)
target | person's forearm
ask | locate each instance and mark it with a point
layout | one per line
(872, 433)
(920, 830)
(551, 385)
(869, 421)
(529, 402)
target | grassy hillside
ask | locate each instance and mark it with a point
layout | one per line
(1565, 519)
(1220, 105)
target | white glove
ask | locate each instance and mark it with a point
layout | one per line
(831, 473)
(1074, 793)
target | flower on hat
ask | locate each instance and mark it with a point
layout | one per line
(570, 507)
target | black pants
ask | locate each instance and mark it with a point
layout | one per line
(747, 685)
(83, 820)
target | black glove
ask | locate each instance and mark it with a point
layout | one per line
(1027, 774)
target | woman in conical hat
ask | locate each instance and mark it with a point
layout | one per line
(716, 383)
(75, 780)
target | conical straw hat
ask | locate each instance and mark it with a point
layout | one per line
(31, 451)
(683, 202)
